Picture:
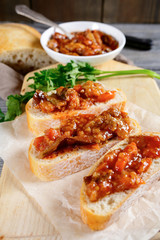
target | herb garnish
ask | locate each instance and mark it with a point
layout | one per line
(15, 106)
(67, 76)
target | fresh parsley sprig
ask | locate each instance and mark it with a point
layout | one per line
(72, 73)
(15, 106)
(67, 76)
(107, 74)
(64, 75)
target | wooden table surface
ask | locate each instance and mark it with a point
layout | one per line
(145, 59)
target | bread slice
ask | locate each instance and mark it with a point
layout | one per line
(38, 121)
(108, 209)
(66, 163)
(20, 48)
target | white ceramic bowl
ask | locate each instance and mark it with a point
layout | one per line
(82, 26)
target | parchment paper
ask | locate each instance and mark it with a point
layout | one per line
(60, 200)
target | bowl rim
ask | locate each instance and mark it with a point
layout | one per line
(120, 47)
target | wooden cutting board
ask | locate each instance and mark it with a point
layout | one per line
(20, 216)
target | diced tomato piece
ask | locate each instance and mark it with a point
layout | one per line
(131, 149)
(40, 143)
(52, 134)
(105, 188)
(46, 106)
(78, 88)
(106, 96)
(92, 192)
(102, 167)
(144, 165)
(124, 157)
(127, 180)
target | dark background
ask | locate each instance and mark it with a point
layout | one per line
(108, 11)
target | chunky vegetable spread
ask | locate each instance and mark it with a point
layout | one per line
(120, 169)
(85, 43)
(79, 97)
(84, 129)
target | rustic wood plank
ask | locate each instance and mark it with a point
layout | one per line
(124, 11)
(156, 237)
(61, 10)
(7, 10)
(137, 11)
(17, 207)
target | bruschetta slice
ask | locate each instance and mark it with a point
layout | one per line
(78, 143)
(48, 110)
(123, 174)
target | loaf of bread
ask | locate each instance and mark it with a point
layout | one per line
(20, 48)
(98, 211)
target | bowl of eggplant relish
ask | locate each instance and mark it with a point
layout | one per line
(90, 42)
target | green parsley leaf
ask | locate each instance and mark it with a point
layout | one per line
(2, 116)
(64, 75)
(15, 106)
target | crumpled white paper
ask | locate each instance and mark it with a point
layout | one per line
(60, 200)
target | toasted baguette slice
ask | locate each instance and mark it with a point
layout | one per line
(38, 121)
(75, 160)
(108, 209)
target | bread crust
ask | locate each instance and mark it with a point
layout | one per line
(17, 36)
(38, 122)
(20, 48)
(100, 221)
